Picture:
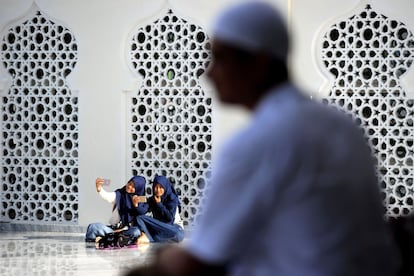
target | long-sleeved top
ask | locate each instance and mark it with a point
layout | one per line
(295, 193)
(115, 218)
(168, 213)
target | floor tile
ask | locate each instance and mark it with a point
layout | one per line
(44, 253)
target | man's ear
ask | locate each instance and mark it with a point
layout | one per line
(261, 72)
(260, 66)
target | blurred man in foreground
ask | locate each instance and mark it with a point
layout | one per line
(293, 193)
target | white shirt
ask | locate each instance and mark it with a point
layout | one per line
(295, 193)
(111, 198)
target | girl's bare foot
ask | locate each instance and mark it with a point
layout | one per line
(97, 242)
(143, 239)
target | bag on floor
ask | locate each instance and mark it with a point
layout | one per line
(115, 241)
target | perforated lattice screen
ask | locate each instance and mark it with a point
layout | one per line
(368, 53)
(39, 124)
(171, 115)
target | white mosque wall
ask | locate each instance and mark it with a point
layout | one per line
(103, 82)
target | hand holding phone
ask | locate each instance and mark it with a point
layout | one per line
(99, 182)
(138, 199)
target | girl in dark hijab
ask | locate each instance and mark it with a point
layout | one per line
(165, 225)
(124, 200)
(129, 202)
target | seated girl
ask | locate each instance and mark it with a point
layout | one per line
(128, 203)
(165, 224)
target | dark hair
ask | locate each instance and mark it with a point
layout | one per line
(278, 71)
(242, 56)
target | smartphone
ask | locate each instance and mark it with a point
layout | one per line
(142, 198)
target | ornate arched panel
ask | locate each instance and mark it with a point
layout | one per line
(366, 54)
(39, 122)
(170, 126)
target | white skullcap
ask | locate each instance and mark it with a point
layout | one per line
(253, 26)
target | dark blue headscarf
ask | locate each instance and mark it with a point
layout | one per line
(124, 200)
(170, 195)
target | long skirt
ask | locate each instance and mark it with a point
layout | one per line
(158, 231)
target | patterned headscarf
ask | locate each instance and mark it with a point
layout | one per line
(124, 200)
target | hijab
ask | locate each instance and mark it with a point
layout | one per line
(170, 196)
(123, 199)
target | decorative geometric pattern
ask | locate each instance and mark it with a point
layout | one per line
(39, 124)
(367, 54)
(170, 113)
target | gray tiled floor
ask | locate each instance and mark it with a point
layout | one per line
(54, 253)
